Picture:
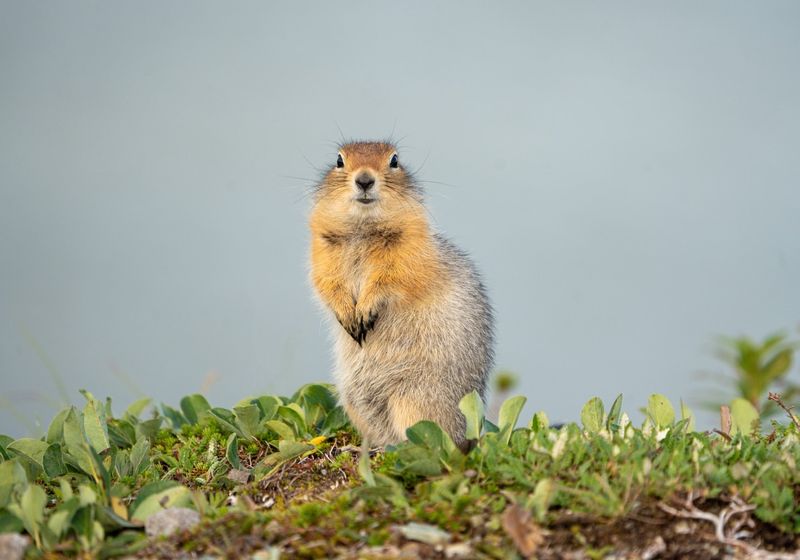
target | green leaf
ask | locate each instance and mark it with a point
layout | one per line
(194, 407)
(744, 417)
(226, 420)
(315, 394)
(76, 450)
(148, 429)
(660, 411)
(60, 521)
(592, 415)
(232, 451)
(94, 426)
(137, 407)
(291, 449)
(121, 433)
(364, 467)
(12, 479)
(89, 532)
(542, 497)
(419, 461)
(139, 457)
(316, 400)
(687, 414)
(296, 416)
(53, 461)
(66, 489)
(284, 431)
(122, 463)
(286, 450)
(614, 415)
(471, 407)
(55, 432)
(5, 455)
(175, 418)
(10, 523)
(508, 416)
(334, 421)
(86, 496)
(779, 365)
(539, 421)
(111, 519)
(87, 395)
(30, 510)
(429, 435)
(489, 427)
(73, 431)
(772, 340)
(157, 496)
(248, 419)
(268, 405)
(31, 449)
(107, 409)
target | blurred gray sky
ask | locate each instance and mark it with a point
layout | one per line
(624, 173)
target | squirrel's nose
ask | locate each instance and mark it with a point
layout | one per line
(365, 181)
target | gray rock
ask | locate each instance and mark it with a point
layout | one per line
(239, 476)
(271, 553)
(171, 520)
(422, 532)
(12, 546)
(458, 550)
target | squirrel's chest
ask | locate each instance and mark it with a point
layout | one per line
(356, 267)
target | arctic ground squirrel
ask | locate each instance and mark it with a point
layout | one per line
(414, 327)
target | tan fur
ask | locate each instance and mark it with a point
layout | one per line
(355, 419)
(372, 274)
(405, 412)
(410, 308)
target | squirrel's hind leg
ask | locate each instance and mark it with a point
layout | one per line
(405, 411)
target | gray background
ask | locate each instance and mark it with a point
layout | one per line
(625, 175)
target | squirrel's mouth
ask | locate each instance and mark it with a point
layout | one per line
(365, 200)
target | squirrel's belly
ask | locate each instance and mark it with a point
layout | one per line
(422, 358)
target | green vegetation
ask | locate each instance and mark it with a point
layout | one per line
(285, 475)
(757, 367)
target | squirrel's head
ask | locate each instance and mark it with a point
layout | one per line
(367, 180)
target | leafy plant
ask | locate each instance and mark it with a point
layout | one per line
(759, 367)
(109, 474)
(91, 483)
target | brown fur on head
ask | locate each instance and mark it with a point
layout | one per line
(392, 196)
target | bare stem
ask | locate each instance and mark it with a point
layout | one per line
(776, 398)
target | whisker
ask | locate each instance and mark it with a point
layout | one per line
(341, 134)
(432, 182)
(303, 179)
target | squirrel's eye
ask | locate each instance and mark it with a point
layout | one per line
(393, 161)
(339, 161)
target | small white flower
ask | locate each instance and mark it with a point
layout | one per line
(558, 446)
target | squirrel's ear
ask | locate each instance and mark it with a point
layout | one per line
(340, 161)
(393, 161)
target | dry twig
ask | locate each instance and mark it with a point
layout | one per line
(776, 398)
(729, 534)
(729, 537)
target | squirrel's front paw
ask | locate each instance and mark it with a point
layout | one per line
(359, 324)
